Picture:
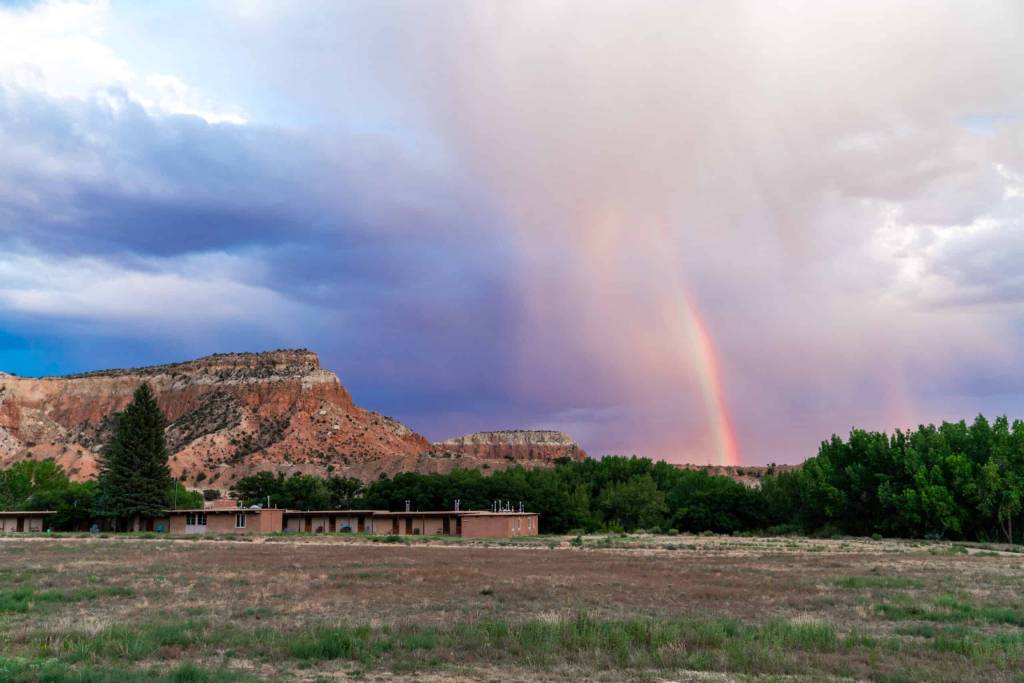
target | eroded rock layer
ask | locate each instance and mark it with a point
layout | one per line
(229, 415)
(518, 445)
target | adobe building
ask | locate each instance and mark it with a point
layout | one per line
(465, 523)
(500, 524)
(330, 521)
(27, 520)
(221, 521)
(255, 520)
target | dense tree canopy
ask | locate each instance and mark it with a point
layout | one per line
(298, 492)
(951, 481)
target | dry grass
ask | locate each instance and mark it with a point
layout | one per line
(611, 608)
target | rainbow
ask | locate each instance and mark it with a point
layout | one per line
(709, 376)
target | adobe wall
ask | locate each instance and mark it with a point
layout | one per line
(499, 526)
(31, 523)
(224, 522)
(485, 527)
(256, 522)
(322, 523)
(177, 524)
(423, 525)
(270, 521)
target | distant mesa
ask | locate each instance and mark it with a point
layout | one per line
(517, 444)
(234, 414)
(748, 475)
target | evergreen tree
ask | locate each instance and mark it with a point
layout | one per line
(134, 477)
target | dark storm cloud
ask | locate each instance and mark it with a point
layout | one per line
(395, 286)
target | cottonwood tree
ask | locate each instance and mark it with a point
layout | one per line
(134, 477)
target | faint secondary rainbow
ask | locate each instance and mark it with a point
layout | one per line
(709, 375)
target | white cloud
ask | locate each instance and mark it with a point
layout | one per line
(187, 294)
(58, 48)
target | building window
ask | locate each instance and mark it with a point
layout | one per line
(195, 518)
(239, 520)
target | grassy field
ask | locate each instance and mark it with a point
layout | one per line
(319, 608)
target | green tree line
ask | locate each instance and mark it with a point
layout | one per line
(954, 481)
(614, 493)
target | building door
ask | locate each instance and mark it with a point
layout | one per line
(446, 526)
(309, 524)
(21, 523)
(332, 524)
(394, 526)
(458, 525)
(361, 524)
(408, 525)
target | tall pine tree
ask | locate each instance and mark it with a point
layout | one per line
(134, 477)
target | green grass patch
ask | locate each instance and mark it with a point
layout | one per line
(964, 641)
(19, 670)
(950, 608)
(123, 642)
(863, 582)
(25, 599)
(948, 550)
(581, 643)
(358, 644)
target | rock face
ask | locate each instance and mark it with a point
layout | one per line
(514, 445)
(229, 415)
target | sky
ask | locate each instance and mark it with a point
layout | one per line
(708, 232)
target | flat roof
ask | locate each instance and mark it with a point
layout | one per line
(461, 513)
(488, 513)
(369, 513)
(334, 512)
(215, 511)
(23, 513)
(421, 513)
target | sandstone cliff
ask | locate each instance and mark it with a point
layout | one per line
(516, 445)
(229, 415)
